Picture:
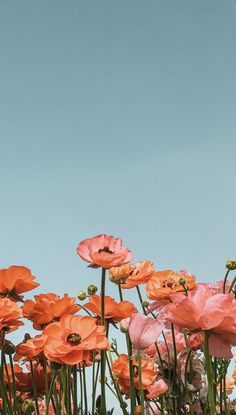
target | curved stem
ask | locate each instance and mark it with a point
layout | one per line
(225, 280)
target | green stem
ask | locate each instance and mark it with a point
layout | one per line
(225, 396)
(210, 377)
(186, 382)
(75, 398)
(225, 280)
(13, 383)
(35, 394)
(54, 375)
(103, 352)
(85, 393)
(81, 391)
(131, 375)
(175, 366)
(95, 388)
(140, 299)
(140, 383)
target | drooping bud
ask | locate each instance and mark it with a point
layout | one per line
(28, 407)
(230, 265)
(9, 348)
(92, 289)
(82, 295)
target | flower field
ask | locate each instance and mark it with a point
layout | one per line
(178, 341)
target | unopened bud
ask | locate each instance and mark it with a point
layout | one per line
(28, 407)
(27, 337)
(92, 289)
(145, 303)
(230, 265)
(82, 295)
(182, 281)
(9, 348)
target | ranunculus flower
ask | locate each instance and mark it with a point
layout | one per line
(156, 389)
(104, 251)
(141, 273)
(144, 331)
(71, 340)
(120, 368)
(32, 348)
(164, 283)
(121, 272)
(205, 310)
(16, 280)
(10, 313)
(48, 308)
(113, 310)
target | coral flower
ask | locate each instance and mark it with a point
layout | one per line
(121, 369)
(156, 389)
(31, 349)
(164, 283)
(205, 310)
(104, 251)
(144, 331)
(141, 273)
(113, 310)
(71, 339)
(120, 273)
(10, 313)
(48, 308)
(16, 280)
(24, 379)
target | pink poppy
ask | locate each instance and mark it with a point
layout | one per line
(206, 310)
(144, 331)
(104, 251)
(156, 389)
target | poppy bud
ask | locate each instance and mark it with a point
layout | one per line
(28, 407)
(9, 348)
(182, 281)
(82, 295)
(145, 303)
(92, 289)
(27, 337)
(230, 265)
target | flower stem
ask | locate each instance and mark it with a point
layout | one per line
(85, 393)
(75, 399)
(131, 375)
(140, 383)
(103, 352)
(209, 377)
(34, 388)
(225, 280)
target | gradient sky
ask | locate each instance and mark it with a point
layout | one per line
(117, 117)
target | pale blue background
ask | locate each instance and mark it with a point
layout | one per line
(117, 117)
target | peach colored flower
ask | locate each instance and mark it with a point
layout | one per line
(71, 340)
(104, 251)
(204, 310)
(144, 331)
(10, 313)
(48, 308)
(113, 310)
(140, 274)
(16, 280)
(121, 272)
(164, 283)
(120, 368)
(156, 389)
(31, 349)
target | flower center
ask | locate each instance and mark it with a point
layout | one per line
(74, 339)
(105, 249)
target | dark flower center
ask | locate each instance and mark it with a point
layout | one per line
(74, 339)
(105, 249)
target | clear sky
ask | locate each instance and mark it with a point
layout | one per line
(117, 117)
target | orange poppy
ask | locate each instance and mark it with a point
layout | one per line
(16, 280)
(164, 283)
(121, 369)
(48, 308)
(10, 313)
(121, 272)
(113, 310)
(140, 274)
(71, 339)
(31, 349)
(104, 251)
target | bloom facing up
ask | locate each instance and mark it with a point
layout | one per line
(113, 310)
(204, 310)
(144, 331)
(48, 308)
(16, 280)
(159, 387)
(71, 339)
(10, 313)
(104, 251)
(120, 368)
(164, 283)
(31, 349)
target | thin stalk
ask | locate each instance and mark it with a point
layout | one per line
(103, 352)
(54, 376)
(13, 382)
(35, 394)
(140, 299)
(81, 391)
(131, 375)
(225, 280)
(116, 385)
(75, 396)
(140, 383)
(175, 364)
(63, 398)
(186, 382)
(209, 377)
(68, 390)
(85, 393)
(225, 396)
(95, 388)
(120, 292)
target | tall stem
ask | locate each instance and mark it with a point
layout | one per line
(131, 375)
(34, 388)
(103, 352)
(75, 399)
(210, 377)
(140, 383)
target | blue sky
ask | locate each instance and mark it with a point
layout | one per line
(117, 117)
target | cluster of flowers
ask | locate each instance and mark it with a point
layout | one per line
(178, 346)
